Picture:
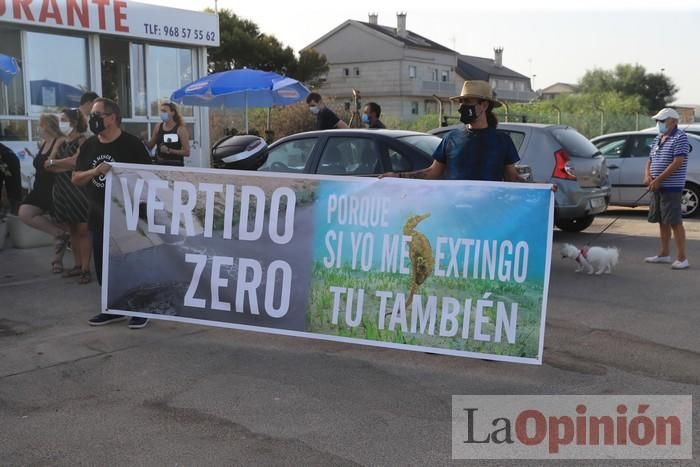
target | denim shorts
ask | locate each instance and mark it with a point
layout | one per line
(665, 208)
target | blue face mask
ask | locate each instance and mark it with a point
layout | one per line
(661, 127)
(165, 116)
(365, 118)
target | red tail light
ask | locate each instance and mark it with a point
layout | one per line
(563, 168)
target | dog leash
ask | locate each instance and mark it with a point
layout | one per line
(634, 205)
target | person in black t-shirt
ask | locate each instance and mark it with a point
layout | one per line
(477, 151)
(370, 116)
(325, 118)
(11, 176)
(109, 144)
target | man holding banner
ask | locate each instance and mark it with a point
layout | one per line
(109, 144)
(478, 151)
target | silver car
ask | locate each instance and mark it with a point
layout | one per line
(562, 156)
(627, 154)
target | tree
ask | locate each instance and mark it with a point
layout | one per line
(243, 45)
(310, 67)
(655, 90)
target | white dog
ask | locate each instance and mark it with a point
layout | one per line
(593, 259)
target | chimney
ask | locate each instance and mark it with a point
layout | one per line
(373, 17)
(401, 24)
(498, 56)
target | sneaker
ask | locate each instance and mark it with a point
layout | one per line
(658, 259)
(680, 264)
(105, 318)
(137, 323)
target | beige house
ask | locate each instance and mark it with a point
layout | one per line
(687, 112)
(556, 89)
(395, 67)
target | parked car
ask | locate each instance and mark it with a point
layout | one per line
(627, 154)
(562, 156)
(351, 152)
(356, 152)
(690, 128)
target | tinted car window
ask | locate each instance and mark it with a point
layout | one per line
(350, 156)
(517, 138)
(640, 146)
(574, 142)
(425, 143)
(290, 156)
(399, 162)
(612, 147)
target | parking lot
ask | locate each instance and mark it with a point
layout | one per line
(175, 394)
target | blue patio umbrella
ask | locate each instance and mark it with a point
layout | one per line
(241, 88)
(54, 94)
(8, 68)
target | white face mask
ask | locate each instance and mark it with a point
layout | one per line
(314, 109)
(65, 127)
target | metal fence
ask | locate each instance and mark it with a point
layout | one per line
(589, 124)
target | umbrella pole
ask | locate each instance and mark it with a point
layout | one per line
(5, 100)
(246, 113)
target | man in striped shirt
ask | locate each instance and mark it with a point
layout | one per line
(665, 175)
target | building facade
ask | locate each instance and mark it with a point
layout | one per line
(134, 53)
(508, 84)
(556, 89)
(395, 67)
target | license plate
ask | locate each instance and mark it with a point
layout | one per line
(597, 203)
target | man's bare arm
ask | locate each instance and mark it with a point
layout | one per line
(433, 172)
(511, 174)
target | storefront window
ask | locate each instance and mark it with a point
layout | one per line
(137, 129)
(167, 69)
(138, 70)
(116, 73)
(11, 87)
(57, 69)
(13, 130)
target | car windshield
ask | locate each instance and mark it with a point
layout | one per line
(574, 142)
(426, 143)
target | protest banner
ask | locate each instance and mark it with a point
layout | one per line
(450, 267)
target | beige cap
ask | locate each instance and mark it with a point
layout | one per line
(479, 90)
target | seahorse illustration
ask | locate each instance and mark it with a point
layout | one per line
(420, 252)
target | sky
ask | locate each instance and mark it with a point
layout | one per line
(545, 40)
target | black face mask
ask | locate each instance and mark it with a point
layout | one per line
(467, 113)
(97, 124)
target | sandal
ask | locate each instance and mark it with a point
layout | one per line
(61, 244)
(56, 267)
(85, 277)
(75, 271)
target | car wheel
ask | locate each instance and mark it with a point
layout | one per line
(690, 200)
(574, 225)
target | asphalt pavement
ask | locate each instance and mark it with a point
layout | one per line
(176, 394)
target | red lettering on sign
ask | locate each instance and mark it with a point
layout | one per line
(3, 7)
(19, 6)
(74, 10)
(119, 16)
(55, 14)
(101, 4)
